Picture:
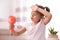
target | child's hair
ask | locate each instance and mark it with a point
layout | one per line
(47, 9)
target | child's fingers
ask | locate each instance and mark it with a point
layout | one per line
(34, 8)
(15, 33)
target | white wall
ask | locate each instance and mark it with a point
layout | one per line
(5, 11)
(5, 8)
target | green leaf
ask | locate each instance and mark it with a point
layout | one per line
(51, 30)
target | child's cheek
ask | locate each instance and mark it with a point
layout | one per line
(34, 17)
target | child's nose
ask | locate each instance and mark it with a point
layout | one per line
(31, 17)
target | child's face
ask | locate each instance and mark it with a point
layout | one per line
(35, 17)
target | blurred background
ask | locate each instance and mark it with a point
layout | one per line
(21, 10)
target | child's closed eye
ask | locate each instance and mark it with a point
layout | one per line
(34, 16)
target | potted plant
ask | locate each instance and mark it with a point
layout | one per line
(53, 34)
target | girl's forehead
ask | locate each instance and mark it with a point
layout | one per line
(35, 13)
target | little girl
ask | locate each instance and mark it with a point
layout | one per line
(40, 17)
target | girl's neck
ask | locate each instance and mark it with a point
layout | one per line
(34, 23)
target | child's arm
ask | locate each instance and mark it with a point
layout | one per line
(47, 15)
(22, 30)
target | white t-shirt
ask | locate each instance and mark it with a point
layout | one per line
(37, 32)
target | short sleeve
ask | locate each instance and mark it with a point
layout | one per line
(42, 23)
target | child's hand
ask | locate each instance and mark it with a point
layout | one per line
(16, 33)
(34, 8)
(11, 28)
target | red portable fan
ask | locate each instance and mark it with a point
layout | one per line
(12, 21)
